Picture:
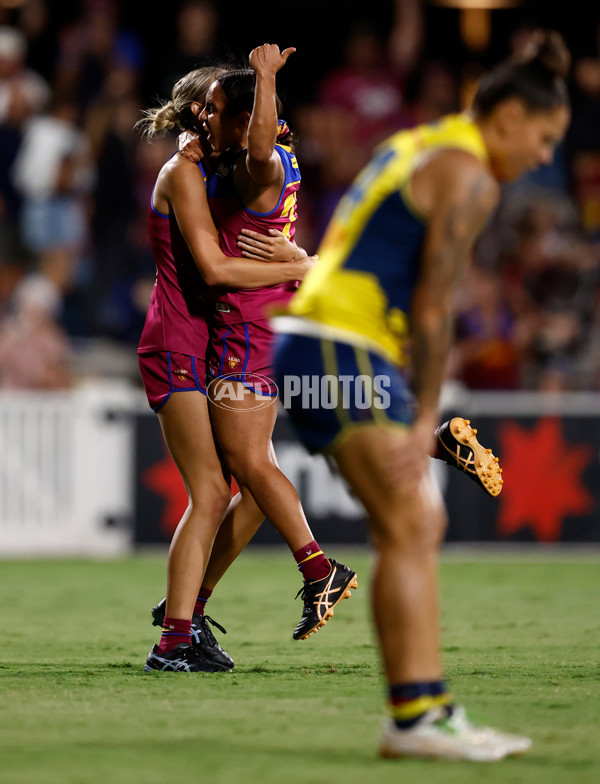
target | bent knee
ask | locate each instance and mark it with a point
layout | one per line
(211, 495)
(419, 531)
(249, 469)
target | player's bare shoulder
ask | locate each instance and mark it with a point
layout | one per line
(453, 176)
(465, 182)
(179, 172)
(463, 194)
(178, 165)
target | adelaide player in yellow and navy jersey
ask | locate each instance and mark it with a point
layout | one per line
(373, 319)
(355, 303)
(367, 255)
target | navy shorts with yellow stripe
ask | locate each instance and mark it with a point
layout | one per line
(328, 388)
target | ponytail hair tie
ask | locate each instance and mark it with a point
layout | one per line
(283, 129)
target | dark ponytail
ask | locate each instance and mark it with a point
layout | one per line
(239, 85)
(537, 77)
(548, 49)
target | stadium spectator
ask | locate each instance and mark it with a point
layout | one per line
(545, 272)
(23, 93)
(560, 277)
(406, 37)
(357, 105)
(584, 139)
(35, 352)
(94, 46)
(486, 343)
(195, 44)
(367, 89)
(436, 93)
(39, 28)
(53, 174)
(119, 253)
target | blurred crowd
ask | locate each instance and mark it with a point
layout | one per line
(76, 270)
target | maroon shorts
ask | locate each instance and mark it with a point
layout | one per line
(165, 372)
(243, 352)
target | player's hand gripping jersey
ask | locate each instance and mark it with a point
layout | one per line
(361, 288)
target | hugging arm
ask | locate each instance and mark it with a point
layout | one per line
(185, 190)
(267, 247)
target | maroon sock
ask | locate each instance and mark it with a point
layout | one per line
(175, 630)
(311, 562)
(203, 597)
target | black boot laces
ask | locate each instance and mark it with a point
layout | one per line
(206, 619)
(306, 593)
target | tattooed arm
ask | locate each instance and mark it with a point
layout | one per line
(464, 194)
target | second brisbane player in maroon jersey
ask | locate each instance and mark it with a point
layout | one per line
(231, 218)
(242, 339)
(253, 185)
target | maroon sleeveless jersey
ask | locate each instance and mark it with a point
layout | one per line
(231, 216)
(179, 310)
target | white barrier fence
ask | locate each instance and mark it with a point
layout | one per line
(66, 471)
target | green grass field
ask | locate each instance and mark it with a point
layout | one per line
(521, 644)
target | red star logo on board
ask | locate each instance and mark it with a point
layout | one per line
(542, 480)
(164, 480)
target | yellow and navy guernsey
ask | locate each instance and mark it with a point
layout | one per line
(340, 357)
(361, 288)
